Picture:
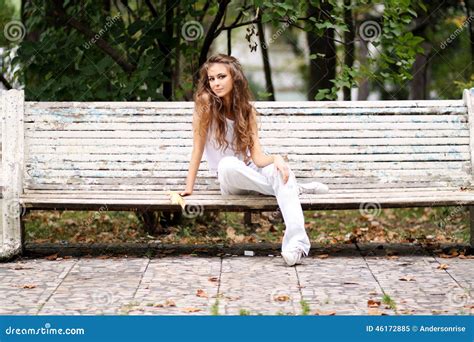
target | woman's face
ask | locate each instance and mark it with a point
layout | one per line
(220, 79)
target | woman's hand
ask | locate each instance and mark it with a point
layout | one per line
(282, 167)
(186, 192)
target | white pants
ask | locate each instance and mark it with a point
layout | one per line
(236, 178)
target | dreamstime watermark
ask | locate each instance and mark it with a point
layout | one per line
(15, 209)
(109, 23)
(460, 296)
(453, 212)
(193, 210)
(192, 30)
(370, 209)
(280, 31)
(456, 33)
(46, 330)
(14, 31)
(370, 30)
(96, 214)
(102, 298)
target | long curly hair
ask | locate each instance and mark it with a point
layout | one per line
(212, 108)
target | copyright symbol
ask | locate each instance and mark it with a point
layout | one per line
(414, 328)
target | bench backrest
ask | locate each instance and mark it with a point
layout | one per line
(94, 146)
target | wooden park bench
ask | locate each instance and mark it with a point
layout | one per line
(128, 155)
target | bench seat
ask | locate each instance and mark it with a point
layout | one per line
(213, 200)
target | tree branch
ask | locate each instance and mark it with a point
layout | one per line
(152, 8)
(5, 82)
(210, 33)
(101, 43)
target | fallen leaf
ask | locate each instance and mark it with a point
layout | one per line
(28, 286)
(446, 256)
(166, 304)
(373, 303)
(393, 257)
(191, 310)
(52, 257)
(201, 293)
(462, 256)
(17, 268)
(322, 256)
(213, 279)
(442, 267)
(176, 198)
(238, 238)
(324, 313)
(407, 278)
(454, 252)
(281, 298)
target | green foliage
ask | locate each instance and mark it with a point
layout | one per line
(305, 309)
(58, 62)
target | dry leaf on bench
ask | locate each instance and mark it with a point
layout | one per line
(176, 198)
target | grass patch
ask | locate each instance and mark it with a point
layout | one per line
(387, 300)
(244, 312)
(305, 309)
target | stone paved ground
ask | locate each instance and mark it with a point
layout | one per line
(343, 284)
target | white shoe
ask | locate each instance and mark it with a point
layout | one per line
(292, 257)
(313, 188)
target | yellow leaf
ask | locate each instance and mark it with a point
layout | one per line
(176, 198)
(443, 267)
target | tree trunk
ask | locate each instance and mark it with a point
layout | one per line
(469, 10)
(266, 61)
(321, 69)
(363, 93)
(349, 43)
(419, 83)
(166, 50)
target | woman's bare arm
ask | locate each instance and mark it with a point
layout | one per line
(199, 140)
(260, 159)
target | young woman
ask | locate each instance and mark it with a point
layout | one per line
(225, 129)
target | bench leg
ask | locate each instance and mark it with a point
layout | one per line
(471, 226)
(10, 230)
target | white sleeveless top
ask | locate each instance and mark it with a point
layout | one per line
(213, 154)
